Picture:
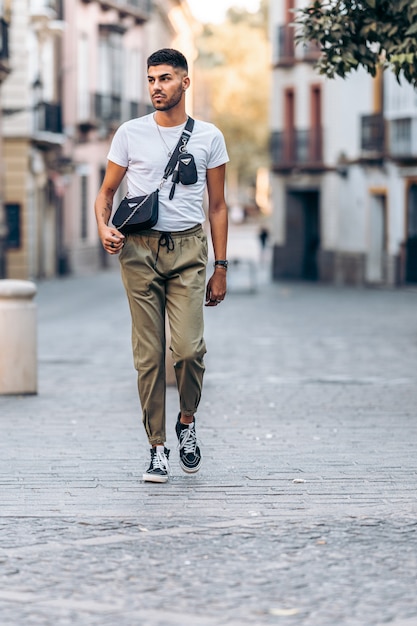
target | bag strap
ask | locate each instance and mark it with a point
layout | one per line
(180, 147)
(171, 165)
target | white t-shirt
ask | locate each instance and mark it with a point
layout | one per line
(138, 146)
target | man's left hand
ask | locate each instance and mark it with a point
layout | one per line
(216, 288)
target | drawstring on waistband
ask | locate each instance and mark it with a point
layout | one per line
(165, 240)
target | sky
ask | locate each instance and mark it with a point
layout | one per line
(214, 11)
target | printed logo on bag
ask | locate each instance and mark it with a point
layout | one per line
(186, 161)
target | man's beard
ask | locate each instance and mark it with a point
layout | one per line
(167, 104)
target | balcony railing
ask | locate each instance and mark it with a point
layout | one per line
(373, 134)
(310, 51)
(142, 5)
(132, 109)
(297, 148)
(139, 9)
(48, 118)
(108, 108)
(41, 5)
(41, 10)
(287, 52)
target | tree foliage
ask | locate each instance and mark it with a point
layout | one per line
(235, 59)
(362, 33)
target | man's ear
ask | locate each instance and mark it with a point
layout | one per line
(185, 82)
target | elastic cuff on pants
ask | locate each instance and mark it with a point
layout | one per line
(156, 442)
(187, 413)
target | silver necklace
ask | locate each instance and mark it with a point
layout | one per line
(168, 149)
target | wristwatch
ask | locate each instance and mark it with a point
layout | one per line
(222, 263)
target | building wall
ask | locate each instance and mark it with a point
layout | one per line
(170, 25)
(344, 102)
(361, 196)
(53, 173)
(16, 157)
(17, 99)
(31, 148)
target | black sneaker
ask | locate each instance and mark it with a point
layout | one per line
(190, 455)
(158, 470)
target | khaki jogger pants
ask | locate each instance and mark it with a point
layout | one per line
(166, 272)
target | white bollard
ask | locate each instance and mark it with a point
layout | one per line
(18, 338)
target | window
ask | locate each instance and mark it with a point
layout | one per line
(13, 225)
(401, 139)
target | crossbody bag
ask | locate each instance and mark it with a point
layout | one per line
(141, 213)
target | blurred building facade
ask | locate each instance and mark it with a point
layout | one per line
(343, 169)
(32, 136)
(4, 72)
(79, 71)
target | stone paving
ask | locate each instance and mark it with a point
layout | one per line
(304, 512)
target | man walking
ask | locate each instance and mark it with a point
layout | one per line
(164, 268)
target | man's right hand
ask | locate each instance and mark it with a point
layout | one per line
(112, 239)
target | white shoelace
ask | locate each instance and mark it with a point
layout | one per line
(160, 461)
(188, 440)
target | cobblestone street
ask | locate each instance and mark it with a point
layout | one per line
(305, 510)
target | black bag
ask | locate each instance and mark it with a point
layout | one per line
(187, 171)
(140, 213)
(136, 214)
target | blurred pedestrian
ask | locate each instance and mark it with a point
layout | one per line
(263, 240)
(263, 236)
(163, 268)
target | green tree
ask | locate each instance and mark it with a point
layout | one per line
(235, 59)
(362, 33)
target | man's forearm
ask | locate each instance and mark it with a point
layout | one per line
(103, 208)
(217, 212)
(219, 226)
